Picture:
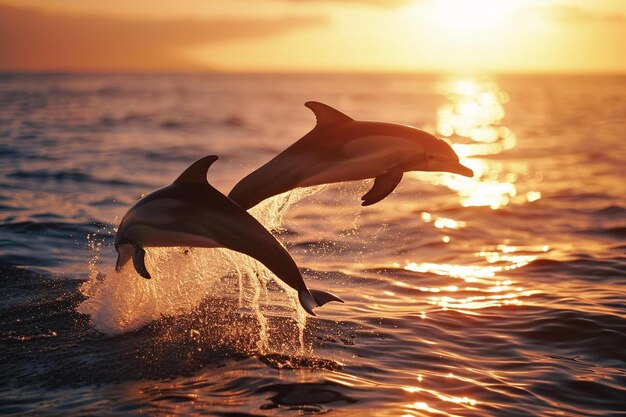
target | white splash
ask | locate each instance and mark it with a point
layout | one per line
(183, 277)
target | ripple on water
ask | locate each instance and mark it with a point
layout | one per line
(500, 294)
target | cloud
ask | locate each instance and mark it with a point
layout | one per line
(572, 14)
(38, 40)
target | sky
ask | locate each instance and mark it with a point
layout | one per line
(572, 36)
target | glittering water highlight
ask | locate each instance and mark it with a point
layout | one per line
(497, 295)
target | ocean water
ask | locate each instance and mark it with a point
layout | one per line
(498, 295)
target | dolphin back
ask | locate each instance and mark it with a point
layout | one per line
(305, 158)
(204, 212)
(241, 232)
(281, 174)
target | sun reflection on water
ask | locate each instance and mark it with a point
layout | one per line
(428, 395)
(472, 119)
(479, 279)
(442, 222)
(488, 290)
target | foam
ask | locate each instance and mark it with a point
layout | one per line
(183, 277)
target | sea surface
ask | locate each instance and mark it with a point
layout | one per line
(498, 295)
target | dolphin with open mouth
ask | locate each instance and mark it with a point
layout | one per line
(190, 212)
(342, 149)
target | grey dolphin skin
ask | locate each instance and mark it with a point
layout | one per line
(342, 149)
(190, 212)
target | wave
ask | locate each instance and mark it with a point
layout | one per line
(183, 278)
(180, 153)
(618, 232)
(9, 152)
(578, 331)
(156, 120)
(588, 268)
(39, 312)
(53, 228)
(611, 211)
(69, 175)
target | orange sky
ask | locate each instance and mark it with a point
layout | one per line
(314, 35)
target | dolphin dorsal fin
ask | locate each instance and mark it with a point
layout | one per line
(196, 173)
(326, 115)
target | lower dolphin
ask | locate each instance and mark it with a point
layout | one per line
(342, 149)
(190, 212)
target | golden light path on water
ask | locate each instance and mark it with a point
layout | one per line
(473, 116)
(471, 119)
(470, 279)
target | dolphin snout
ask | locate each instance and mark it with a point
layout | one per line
(448, 165)
(456, 168)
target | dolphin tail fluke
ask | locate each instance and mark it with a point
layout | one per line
(309, 299)
(383, 186)
(323, 297)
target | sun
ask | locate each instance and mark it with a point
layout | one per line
(472, 14)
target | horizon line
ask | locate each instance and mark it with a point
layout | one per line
(317, 72)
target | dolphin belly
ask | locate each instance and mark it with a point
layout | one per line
(357, 169)
(158, 211)
(159, 236)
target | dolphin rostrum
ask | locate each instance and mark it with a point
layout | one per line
(342, 149)
(190, 212)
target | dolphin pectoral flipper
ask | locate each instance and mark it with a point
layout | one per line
(139, 255)
(124, 253)
(119, 263)
(383, 186)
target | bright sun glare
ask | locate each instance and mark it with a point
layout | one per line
(472, 14)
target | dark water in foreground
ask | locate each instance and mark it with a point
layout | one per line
(501, 295)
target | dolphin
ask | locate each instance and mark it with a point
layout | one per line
(190, 212)
(339, 149)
